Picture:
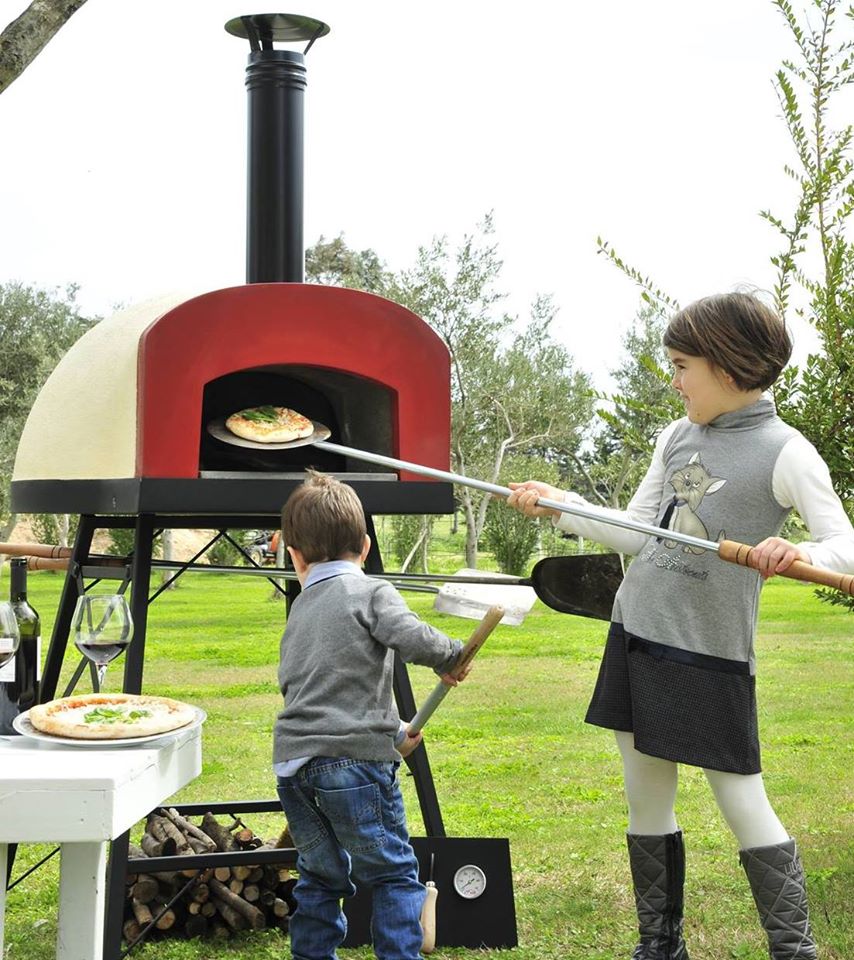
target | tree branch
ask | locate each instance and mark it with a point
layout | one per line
(25, 38)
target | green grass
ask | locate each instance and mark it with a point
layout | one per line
(512, 757)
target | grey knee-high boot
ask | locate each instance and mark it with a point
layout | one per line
(658, 873)
(779, 891)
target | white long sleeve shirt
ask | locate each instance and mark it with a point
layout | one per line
(801, 480)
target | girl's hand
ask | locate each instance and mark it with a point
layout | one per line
(409, 743)
(525, 495)
(776, 555)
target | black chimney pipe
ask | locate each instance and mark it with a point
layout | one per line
(275, 82)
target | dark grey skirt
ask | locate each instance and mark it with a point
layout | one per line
(681, 706)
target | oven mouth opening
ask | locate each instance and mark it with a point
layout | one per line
(358, 411)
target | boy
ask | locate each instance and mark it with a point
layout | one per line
(338, 741)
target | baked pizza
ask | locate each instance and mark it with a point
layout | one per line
(269, 424)
(110, 716)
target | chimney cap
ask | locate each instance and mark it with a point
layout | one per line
(267, 28)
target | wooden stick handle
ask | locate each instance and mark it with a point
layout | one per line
(745, 556)
(34, 550)
(489, 622)
(47, 563)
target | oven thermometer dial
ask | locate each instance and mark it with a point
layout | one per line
(470, 881)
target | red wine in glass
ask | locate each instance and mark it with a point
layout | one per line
(102, 628)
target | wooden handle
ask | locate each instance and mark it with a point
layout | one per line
(428, 918)
(47, 563)
(489, 622)
(34, 550)
(745, 556)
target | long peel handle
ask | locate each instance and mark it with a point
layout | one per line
(490, 621)
(745, 556)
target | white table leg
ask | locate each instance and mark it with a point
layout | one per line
(82, 896)
(4, 848)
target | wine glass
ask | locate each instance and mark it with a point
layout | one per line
(102, 628)
(10, 636)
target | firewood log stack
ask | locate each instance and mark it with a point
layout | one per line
(217, 901)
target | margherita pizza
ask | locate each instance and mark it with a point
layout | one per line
(110, 716)
(269, 424)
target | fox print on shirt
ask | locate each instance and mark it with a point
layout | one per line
(690, 484)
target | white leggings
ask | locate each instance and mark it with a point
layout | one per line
(651, 793)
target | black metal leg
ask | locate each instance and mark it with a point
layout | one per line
(116, 894)
(417, 762)
(62, 624)
(139, 602)
(11, 850)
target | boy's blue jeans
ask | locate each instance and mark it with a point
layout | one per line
(346, 818)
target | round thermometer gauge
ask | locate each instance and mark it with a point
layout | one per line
(469, 881)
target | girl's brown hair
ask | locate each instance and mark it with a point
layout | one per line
(738, 333)
(324, 519)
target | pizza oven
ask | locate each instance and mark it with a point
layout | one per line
(121, 425)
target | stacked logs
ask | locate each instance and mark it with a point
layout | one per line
(216, 901)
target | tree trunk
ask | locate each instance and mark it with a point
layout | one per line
(6, 532)
(168, 543)
(63, 523)
(471, 532)
(425, 544)
(8, 527)
(25, 38)
(280, 563)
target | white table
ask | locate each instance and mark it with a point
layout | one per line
(82, 797)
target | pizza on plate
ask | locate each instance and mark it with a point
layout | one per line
(269, 424)
(110, 716)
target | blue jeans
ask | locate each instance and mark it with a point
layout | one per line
(347, 819)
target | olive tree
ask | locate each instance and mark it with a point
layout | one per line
(513, 386)
(36, 328)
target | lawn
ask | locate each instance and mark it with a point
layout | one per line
(512, 757)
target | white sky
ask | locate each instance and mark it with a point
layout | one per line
(653, 124)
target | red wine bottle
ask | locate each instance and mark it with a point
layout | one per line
(19, 678)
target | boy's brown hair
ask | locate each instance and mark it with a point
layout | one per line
(324, 519)
(738, 333)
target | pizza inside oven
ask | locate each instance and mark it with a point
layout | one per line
(269, 424)
(110, 716)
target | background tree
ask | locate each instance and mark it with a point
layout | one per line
(334, 264)
(816, 261)
(36, 328)
(510, 390)
(511, 536)
(642, 404)
(26, 36)
(817, 256)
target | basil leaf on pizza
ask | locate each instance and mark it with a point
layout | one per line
(110, 716)
(269, 424)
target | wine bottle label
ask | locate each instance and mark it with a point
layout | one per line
(7, 671)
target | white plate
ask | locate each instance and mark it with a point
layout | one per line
(218, 429)
(22, 724)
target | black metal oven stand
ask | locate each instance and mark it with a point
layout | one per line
(84, 567)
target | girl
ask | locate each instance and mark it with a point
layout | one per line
(677, 682)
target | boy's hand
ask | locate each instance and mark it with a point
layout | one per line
(452, 679)
(776, 555)
(409, 743)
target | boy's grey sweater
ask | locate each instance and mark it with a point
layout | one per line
(336, 669)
